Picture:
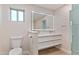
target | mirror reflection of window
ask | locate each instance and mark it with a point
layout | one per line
(44, 25)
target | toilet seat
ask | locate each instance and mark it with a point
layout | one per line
(16, 51)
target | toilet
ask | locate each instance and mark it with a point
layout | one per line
(16, 42)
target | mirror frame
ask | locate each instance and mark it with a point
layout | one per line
(32, 25)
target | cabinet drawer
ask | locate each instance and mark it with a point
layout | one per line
(47, 44)
(57, 37)
(48, 38)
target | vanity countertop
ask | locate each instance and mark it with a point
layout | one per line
(55, 34)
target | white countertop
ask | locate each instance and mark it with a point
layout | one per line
(55, 34)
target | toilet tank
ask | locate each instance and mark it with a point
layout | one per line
(16, 41)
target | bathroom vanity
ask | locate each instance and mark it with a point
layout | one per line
(49, 40)
(43, 41)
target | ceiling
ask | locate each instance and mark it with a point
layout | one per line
(50, 6)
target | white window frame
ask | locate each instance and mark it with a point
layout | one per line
(17, 10)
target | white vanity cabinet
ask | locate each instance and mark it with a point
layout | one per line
(45, 41)
(42, 41)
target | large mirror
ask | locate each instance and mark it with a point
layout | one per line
(42, 21)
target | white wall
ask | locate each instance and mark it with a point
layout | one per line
(61, 24)
(16, 28)
(4, 41)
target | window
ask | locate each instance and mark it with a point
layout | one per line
(17, 15)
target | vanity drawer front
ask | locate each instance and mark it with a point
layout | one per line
(43, 39)
(47, 44)
(57, 37)
(48, 38)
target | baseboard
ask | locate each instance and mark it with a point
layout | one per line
(4, 52)
(26, 53)
(7, 53)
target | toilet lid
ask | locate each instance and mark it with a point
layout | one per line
(15, 51)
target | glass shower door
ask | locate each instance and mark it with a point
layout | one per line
(75, 29)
